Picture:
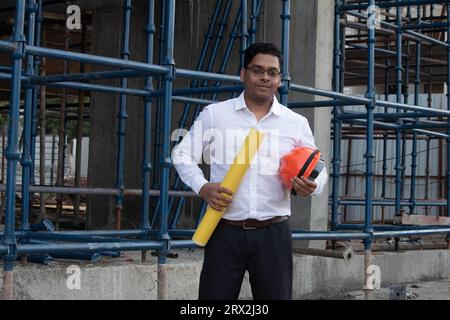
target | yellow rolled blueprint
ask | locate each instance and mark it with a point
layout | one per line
(231, 181)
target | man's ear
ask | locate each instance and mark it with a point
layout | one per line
(242, 74)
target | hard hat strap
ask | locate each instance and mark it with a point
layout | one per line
(308, 162)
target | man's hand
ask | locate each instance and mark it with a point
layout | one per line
(303, 186)
(211, 192)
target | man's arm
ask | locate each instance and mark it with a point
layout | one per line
(187, 155)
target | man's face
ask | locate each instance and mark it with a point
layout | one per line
(262, 77)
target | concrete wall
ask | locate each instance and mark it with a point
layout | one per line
(314, 277)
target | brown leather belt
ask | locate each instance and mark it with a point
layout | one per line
(250, 224)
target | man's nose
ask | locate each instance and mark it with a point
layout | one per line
(265, 76)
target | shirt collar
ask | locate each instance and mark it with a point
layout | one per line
(275, 108)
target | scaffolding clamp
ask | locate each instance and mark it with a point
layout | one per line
(171, 75)
(32, 6)
(166, 163)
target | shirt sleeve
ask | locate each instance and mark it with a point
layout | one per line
(306, 139)
(187, 155)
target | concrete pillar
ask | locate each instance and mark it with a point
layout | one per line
(311, 64)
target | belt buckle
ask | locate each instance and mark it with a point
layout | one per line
(244, 226)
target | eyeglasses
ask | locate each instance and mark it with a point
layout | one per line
(259, 72)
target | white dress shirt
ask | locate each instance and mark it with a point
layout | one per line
(216, 137)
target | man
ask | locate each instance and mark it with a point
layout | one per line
(253, 234)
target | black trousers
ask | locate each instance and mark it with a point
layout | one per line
(266, 254)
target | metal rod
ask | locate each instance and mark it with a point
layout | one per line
(60, 171)
(42, 124)
(412, 34)
(285, 30)
(165, 161)
(244, 31)
(448, 119)
(98, 191)
(12, 151)
(146, 162)
(79, 143)
(336, 161)
(122, 116)
(26, 154)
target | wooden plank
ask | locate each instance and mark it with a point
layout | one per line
(421, 220)
(65, 207)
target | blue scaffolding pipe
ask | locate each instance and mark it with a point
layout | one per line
(253, 17)
(193, 100)
(434, 25)
(202, 90)
(406, 233)
(59, 235)
(119, 90)
(12, 150)
(122, 117)
(94, 59)
(97, 191)
(99, 88)
(392, 203)
(51, 248)
(448, 119)
(34, 125)
(398, 143)
(370, 155)
(243, 32)
(330, 235)
(431, 133)
(401, 128)
(414, 34)
(319, 104)
(412, 194)
(377, 124)
(146, 156)
(360, 115)
(336, 160)
(285, 30)
(76, 238)
(385, 140)
(357, 226)
(133, 92)
(98, 75)
(396, 105)
(26, 154)
(391, 3)
(388, 52)
(329, 94)
(165, 156)
(157, 132)
(182, 73)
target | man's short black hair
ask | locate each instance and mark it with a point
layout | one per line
(261, 47)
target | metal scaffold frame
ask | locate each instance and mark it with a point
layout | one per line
(23, 74)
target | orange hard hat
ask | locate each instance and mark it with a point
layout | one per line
(301, 161)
